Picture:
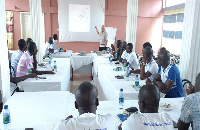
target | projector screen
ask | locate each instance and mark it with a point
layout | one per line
(78, 18)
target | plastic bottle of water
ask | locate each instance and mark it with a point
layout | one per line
(6, 117)
(124, 66)
(127, 73)
(49, 60)
(62, 49)
(55, 67)
(121, 99)
(137, 82)
(111, 60)
(29, 69)
(115, 54)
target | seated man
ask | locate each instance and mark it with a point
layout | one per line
(86, 103)
(49, 48)
(117, 54)
(17, 55)
(123, 54)
(55, 39)
(150, 68)
(168, 79)
(190, 112)
(26, 62)
(149, 118)
(131, 59)
(147, 44)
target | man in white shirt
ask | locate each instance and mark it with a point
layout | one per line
(149, 118)
(150, 68)
(55, 39)
(103, 36)
(86, 103)
(131, 58)
(49, 47)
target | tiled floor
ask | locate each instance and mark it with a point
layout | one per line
(78, 79)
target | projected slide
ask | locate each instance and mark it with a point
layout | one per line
(79, 18)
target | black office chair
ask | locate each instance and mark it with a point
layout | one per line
(185, 81)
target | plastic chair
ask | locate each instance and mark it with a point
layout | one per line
(185, 81)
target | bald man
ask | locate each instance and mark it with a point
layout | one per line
(149, 118)
(103, 36)
(150, 68)
(190, 112)
(168, 79)
(86, 103)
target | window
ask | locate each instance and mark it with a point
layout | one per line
(169, 3)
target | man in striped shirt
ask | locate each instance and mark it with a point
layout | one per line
(17, 55)
(26, 62)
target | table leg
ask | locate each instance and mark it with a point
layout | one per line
(72, 76)
(91, 71)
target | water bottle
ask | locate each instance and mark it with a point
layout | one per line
(55, 67)
(127, 73)
(6, 117)
(49, 60)
(111, 60)
(29, 69)
(115, 54)
(137, 82)
(121, 99)
(62, 49)
(124, 66)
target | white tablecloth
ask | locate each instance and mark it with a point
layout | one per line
(60, 81)
(66, 54)
(39, 110)
(112, 107)
(78, 61)
(109, 86)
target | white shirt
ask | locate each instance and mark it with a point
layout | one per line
(152, 67)
(133, 61)
(54, 44)
(88, 121)
(48, 46)
(148, 121)
(103, 37)
(124, 55)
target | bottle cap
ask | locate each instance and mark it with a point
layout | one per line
(5, 106)
(121, 90)
(136, 75)
(54, 60)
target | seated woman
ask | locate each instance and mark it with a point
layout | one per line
(117, 54)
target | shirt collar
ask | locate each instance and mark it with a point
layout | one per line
(150, 61)
(168, 67)
(87, 115)
(28, 53)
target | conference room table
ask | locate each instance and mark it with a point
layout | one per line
(66, 54)
(43, 110)
(60, 81)
(107, 83)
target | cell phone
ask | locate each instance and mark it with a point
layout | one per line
(132, 109)
(28, 128)
(42, 77)
(175, 124)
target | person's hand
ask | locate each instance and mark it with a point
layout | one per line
(33, 75)
(161, 86)
(96, 27)
(50, 72)
(148, 81)
(70, 116)
(190, 90)
(144, 60)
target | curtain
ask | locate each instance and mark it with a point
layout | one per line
(10, 27)
(37, 31)
(131, 24)
(4, 66)
(190, 54)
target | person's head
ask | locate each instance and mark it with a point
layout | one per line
(148, 99)
(197, 83)
(163, 49)
(55, 37)
(147, 53)
(147, 44)
(86, 98)
(50, 40)
(32, 48)
(103, 28)
(124, 45)
(28, 40)
(129, 47)
(163, 58)
(22, 45)
(119, 43)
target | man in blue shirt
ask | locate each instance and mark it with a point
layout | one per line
(168, 79)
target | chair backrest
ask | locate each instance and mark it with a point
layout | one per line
(185, 81)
